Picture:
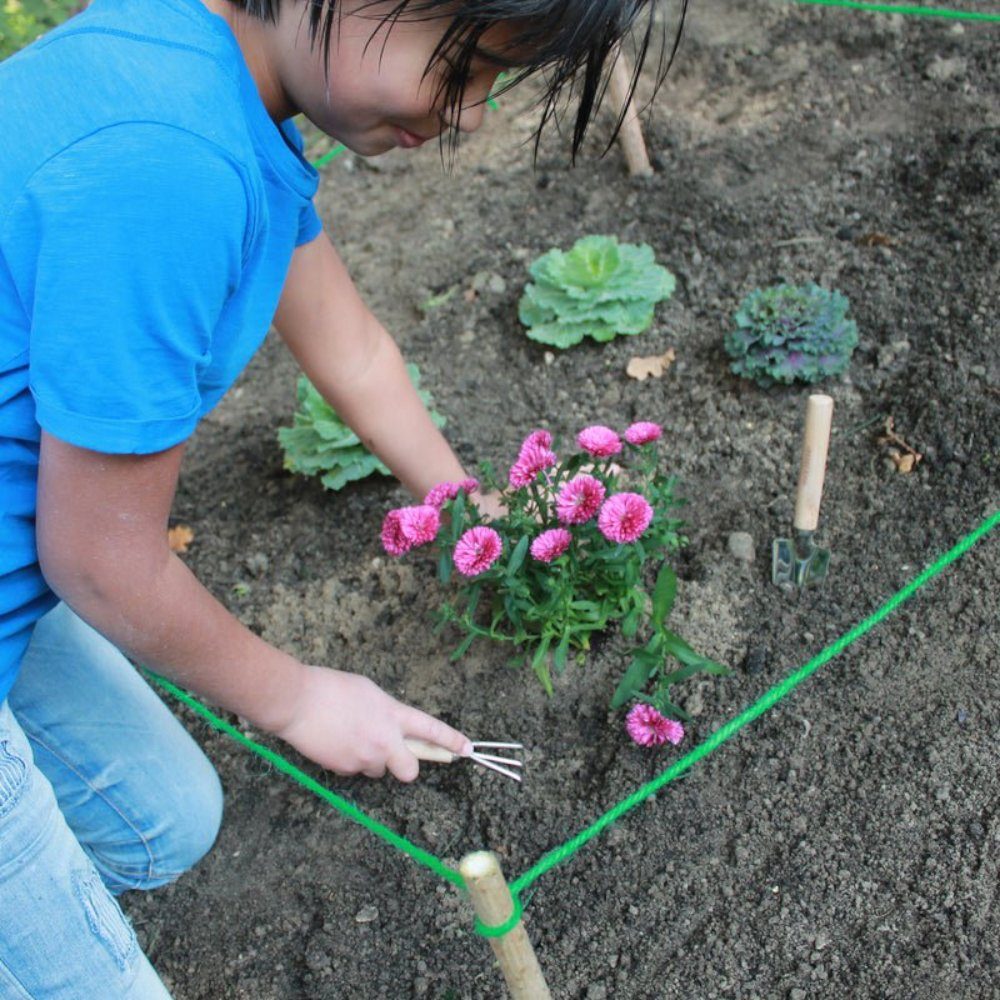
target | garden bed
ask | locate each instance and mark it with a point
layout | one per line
(847, 842)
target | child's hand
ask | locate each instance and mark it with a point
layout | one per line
(348, 724)
(489, 505)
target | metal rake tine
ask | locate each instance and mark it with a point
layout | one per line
(494, 767)
(499, 760)
(497, 746)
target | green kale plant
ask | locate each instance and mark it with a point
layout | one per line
(319, 443)
(600, 288)
(791, 332)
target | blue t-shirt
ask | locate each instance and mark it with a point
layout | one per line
(149, 209)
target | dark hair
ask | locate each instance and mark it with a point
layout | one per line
(568, 42)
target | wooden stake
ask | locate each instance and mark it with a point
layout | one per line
(494, 905)
(630, 134)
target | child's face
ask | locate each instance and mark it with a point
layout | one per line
(376, 96)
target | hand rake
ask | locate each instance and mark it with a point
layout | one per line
(423, 750)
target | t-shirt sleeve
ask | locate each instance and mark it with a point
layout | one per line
(310, 224)
(129, 244)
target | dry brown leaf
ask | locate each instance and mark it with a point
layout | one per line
(179, 538)
(875, 240)
(905, 458)
(655, 366)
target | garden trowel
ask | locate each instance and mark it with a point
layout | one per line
(798, 560)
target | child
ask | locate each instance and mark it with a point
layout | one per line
(154, 206)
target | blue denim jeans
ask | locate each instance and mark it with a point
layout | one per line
(101, 790)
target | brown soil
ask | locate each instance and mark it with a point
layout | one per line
(847, 842)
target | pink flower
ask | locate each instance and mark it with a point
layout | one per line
(393, 540)
(643, 432)
(476, 551)
(650, 729)
(537, 439)
(579, 499)
(419, 525)
(551, 544)
(533, 459)
(624, 517)
(600, 441)
(439, 495)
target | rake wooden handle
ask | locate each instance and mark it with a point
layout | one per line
(815, 444)
(433, 752)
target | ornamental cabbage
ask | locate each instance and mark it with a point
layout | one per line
(320, 443)
(600, 288)
(789, 332)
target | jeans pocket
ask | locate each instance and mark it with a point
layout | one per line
(105, 918)
(13, 776)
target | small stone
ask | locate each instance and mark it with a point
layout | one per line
(979, 370)
(366, 915)
(496, 284)
(946, 69)
(741, 546)
(549, 357)
(695, 704)
(258, 563)
(961, 716)
(756, 660)
(797, 994)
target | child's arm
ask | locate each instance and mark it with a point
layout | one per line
(357, 367)
(102, 529)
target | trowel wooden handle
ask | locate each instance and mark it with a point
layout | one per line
(815, 444)
(423, 750)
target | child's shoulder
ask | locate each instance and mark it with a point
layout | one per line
(138, 61)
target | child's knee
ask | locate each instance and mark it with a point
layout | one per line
(173, 838)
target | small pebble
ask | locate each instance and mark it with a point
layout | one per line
(366, 915)
(961, 716)
(756, 660)
(741, 546)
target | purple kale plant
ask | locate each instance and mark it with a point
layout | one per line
(789, 333)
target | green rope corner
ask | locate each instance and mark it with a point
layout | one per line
(565, 851)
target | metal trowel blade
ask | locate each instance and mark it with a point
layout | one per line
(798, 561)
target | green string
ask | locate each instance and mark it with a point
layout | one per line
(560, 854)
(758, 708)
(330, 155)
(891, 8)
(506, 927)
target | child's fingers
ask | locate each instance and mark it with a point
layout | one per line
(403, 764)
(426, 727)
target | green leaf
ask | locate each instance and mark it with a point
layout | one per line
(517, 557)
(444, 566)
(635, 678)
(463, 647)
(678, 648)
(562, 651)
(664, 593)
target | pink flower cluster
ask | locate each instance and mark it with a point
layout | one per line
(579, 500)
(624, 517)
(476, 551)
(439, 495)
(535, 456)
(550, 544)
(603, 442)
(649, 728)
(407, 527)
